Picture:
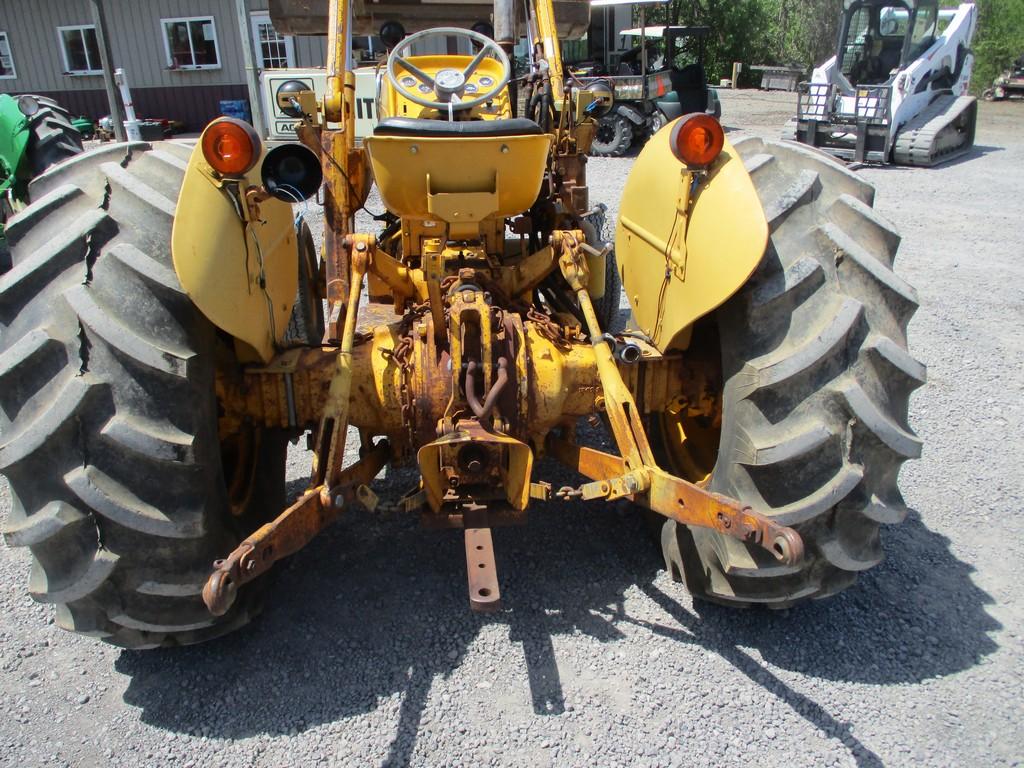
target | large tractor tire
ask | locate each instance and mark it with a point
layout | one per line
(307, 324)
(607, 306)
(52, 139)
(613, 138)
(817, 379)
(122, 489)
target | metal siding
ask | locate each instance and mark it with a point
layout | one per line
(31, 28)
(310, 51)
(136, 40)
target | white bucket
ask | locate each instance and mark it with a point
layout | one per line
(132, 130)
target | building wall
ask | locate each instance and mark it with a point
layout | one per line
(137, 44)
(310, 51)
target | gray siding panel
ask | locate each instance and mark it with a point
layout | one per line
(136, 39)
(310, 51)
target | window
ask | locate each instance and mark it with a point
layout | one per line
(923, 35)
(273, 50)
(852, 51)
(6, 60)
(191, 43)
(81, 51)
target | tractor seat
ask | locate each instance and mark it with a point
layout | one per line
(458, 172)
(415, 127)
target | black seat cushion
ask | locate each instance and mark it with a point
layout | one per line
(423, 128)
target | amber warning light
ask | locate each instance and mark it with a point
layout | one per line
(697, 139)
(231, 146)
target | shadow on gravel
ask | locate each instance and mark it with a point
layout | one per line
(377, 607)
(978, 150)
(917, 616)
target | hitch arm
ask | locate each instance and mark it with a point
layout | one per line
(675, 498)
(636, 474)
(290, 531)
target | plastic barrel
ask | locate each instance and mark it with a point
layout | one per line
(238, 108)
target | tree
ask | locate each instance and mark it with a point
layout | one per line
(737, 30)
(998, 41)
(801, 32)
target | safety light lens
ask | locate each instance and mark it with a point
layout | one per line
(230, 146)
(697, 139)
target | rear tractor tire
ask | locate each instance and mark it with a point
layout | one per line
(817, 380)
(122, 489)
(607, 306)
(53, 138)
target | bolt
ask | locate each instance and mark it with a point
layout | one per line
(360, 246)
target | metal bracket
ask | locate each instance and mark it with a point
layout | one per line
(484, 594)
(291, 530)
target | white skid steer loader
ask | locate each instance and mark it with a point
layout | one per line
(896, 90)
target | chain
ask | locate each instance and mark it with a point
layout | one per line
(548, 328)
(401, 355)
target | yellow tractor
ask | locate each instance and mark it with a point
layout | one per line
(167, 327)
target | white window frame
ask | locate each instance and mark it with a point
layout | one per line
(190, 67)
(10, 54)
(263, 17)
(64, 51)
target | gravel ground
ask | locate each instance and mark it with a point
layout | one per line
(367, 654)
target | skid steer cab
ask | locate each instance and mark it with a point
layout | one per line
(896, 91)
(468, 335)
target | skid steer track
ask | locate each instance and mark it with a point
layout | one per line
(942, 132)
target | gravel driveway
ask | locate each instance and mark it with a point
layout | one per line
(367, 655)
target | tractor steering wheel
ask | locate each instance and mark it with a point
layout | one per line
(448, 85)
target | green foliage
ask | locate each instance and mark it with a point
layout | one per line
(998, 41)
(803, 32)
(738, 30)
(798, 32)
(806, 31)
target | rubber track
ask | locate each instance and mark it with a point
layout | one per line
(818, 382)
(917, 140)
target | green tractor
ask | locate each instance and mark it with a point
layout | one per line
(35, 133)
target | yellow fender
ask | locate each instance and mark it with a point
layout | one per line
(682, 251)
(241, 272)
